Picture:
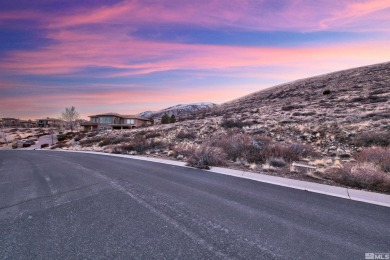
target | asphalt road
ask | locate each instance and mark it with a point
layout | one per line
(58, 205)
(45, 139)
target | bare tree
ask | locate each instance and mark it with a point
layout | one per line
(70, 115)
(4, 134)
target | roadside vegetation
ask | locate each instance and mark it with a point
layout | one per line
(336, 125)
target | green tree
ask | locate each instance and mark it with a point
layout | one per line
(151, 120)
(172, 119)
(165, 119)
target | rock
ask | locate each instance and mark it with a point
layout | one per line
(345, 155)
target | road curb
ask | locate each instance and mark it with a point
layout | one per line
(340, 192)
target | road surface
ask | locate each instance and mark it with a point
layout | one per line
(45, 139)
(58, 205)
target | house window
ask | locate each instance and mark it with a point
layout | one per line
(130, 121)
(105, 120)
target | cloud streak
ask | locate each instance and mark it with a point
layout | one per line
(104, 55)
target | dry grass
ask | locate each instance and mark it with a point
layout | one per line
(189, 135)
(362, 175)
(139, 144)
(206, 156)
(376, 155)
(374, 138)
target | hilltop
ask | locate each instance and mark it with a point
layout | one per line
(179, 110)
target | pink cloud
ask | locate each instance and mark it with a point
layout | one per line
(301, 15)
(358, 16)
(72, 53)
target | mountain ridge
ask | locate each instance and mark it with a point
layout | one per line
(178, 110)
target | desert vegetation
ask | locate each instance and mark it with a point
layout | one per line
(338, 123)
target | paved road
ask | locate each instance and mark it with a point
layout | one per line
(58, 205)
(45, 139)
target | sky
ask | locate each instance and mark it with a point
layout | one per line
(129, 56)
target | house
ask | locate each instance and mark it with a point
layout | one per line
(10, 122)
(115, 121)
(27, 123)
(51, 122)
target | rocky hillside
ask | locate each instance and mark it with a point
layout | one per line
(339, 123)
(178, 110)
(328, 110)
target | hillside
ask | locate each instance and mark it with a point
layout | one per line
(353, 94)
(338, 123)
(178, 110)
(328, 109)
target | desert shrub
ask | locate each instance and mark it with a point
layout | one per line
(291, 107)
(126, 135)
(243, 146)
(78, 137)
(14, 145)
(378, 115)
(367, 139)
(185, 149)
(378, 92)
(152, 135)
(26, 145)
(357, 99)
(186, 135)
(370, 99)
(277, 162)
(108, 141)
(61, 138)
(44, 145)
(140, 133)
(365, 175)
(377, 99)
(206, 156)
(290, 152)
(376, 155)
(326, 92)
(232, 123)
(91, 141)
(309, 113)
(139, 144)
(59, 145)
(93, 134)
(303, 150)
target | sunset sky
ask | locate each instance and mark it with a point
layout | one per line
(132, 56)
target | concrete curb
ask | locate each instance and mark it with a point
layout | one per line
(340, 192)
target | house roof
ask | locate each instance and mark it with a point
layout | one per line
(50, 119)
(121, 116)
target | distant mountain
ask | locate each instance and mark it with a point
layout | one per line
(178, 110)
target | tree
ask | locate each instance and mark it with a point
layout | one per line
(70, 115)
(172, 119)
(151, 120)
(165, 119)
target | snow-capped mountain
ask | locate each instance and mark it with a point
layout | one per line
(178, 109)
